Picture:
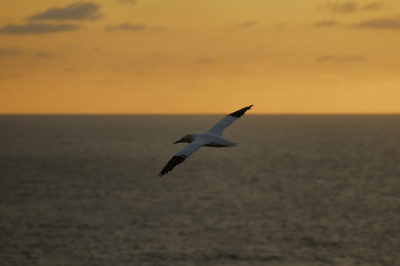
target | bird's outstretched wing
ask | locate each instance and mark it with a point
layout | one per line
(225, 122)
(180, 157)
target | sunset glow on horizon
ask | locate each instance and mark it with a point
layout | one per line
(180, 56)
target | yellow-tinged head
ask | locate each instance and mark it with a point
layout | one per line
(187, 139)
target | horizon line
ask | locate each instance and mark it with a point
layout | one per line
(144, 114)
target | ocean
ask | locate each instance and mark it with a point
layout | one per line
(297, 190)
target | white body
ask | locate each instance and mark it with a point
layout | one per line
(213, 140)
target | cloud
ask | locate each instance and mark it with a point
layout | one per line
(126, 26)
(344, 8)
(77, 11)
(373, 6)
(247, 24)
(281, 24)
(325, 23)
(127, 1)
(325, 58)
(243, 25)
(132, 27)
(45, 55)
(379, 23)
(14, 51)
(349, 7)
(34, 28)
(340, 58)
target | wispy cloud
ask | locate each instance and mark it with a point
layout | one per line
(247, 24)
(133, 27)
(127, 1)
(243, 25)
(281, 25)
(340, 58)
(325, 23)
(34, 28)
(126, 26)
(343, 8)
(13, 51)
(77, 11)
(45, 55)
(350, 7)
(379, 23)
(373, 6)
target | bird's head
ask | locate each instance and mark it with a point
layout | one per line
(187, 139)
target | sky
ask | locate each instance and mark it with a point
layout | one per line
(199, 57)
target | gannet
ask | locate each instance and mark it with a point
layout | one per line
(211, 138)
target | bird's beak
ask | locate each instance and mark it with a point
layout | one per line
(179, 141)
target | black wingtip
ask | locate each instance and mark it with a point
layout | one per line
(175, 160)
(241, 112)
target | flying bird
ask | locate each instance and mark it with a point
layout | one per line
(211, 138)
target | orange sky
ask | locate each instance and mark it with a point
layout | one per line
(184, 56)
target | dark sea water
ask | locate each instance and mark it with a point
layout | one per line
(297, 190)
